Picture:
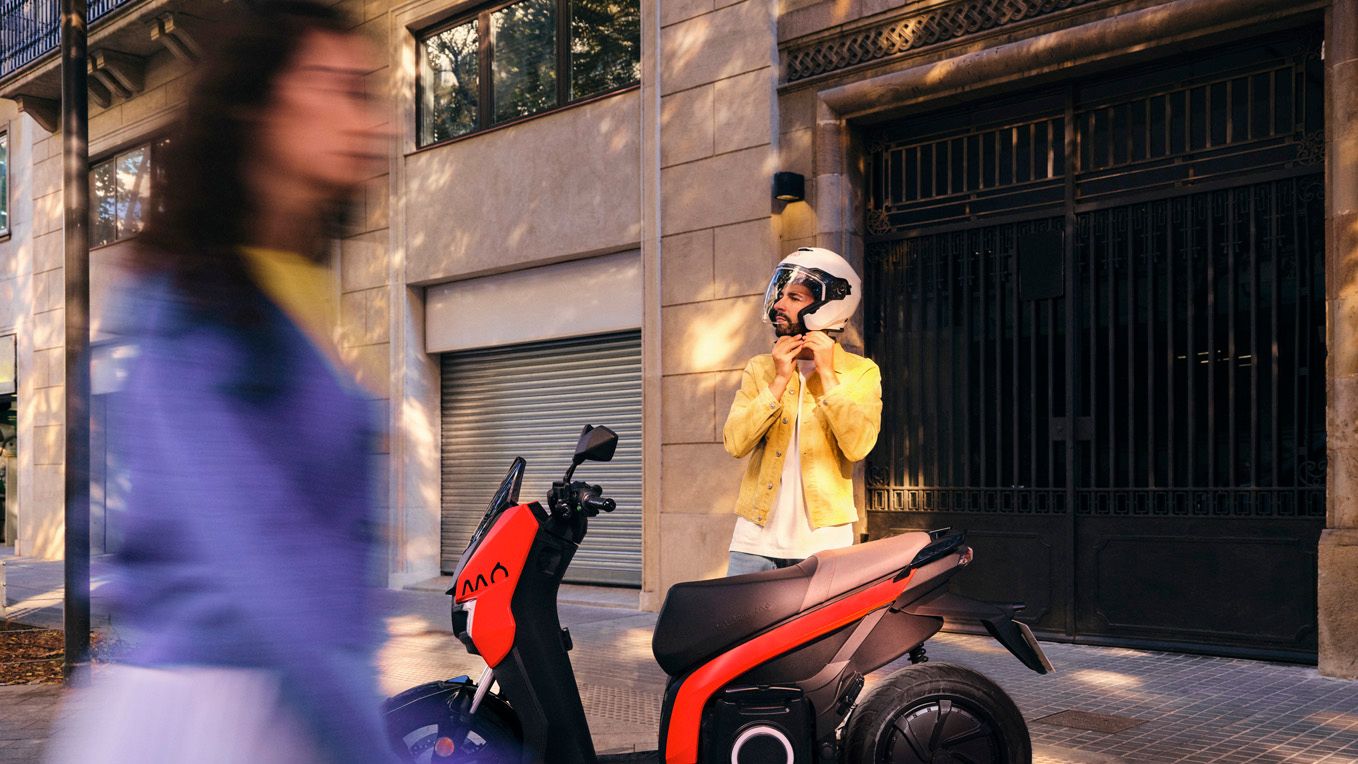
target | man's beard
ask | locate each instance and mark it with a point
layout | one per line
(789, 329)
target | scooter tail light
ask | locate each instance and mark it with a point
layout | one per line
(965, 559)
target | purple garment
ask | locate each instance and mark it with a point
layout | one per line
(249, 531)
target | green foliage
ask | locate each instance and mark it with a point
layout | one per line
(524, 61)
(450, 77)
(605, 45)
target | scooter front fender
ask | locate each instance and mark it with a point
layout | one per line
(998, 620)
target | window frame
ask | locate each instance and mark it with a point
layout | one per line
(154, 151)
(6, 227)
(485, 86)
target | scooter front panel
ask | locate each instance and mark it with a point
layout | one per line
(487, 582)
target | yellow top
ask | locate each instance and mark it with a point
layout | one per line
(303, 289)
(837, 429)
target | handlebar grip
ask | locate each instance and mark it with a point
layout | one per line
(596, 504)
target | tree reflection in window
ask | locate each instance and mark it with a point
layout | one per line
(449, 83)
(120, 192)
(468, 82)
(524, 61)
(605, 45)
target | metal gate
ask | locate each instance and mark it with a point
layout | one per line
(1099, 314)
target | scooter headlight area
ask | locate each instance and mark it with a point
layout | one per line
(766, 668)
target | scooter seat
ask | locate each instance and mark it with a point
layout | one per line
(702, 618)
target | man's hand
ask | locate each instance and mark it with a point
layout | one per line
(822, 349)
(785, 352)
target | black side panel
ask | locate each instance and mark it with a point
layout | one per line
(536, 677)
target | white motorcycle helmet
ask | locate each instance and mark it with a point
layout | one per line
(835, 288)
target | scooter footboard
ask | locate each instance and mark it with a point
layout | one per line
(998, 620)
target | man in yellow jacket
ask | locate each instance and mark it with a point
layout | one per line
(805, 413)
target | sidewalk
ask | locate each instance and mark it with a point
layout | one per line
(1103, 705)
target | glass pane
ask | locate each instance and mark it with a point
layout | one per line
(524, 62)
(605, 45)
(103, 204)
(134, 187)
(449, 77)
(158, 150)
(4, 182)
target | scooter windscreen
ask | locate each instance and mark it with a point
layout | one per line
(506, 496)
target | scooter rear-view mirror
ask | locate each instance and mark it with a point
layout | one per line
(597, 444)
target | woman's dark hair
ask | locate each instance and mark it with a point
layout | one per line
(201, 208)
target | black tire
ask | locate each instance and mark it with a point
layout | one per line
(934, 712)
(420, 717)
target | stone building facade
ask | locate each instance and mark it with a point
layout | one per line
(657, 194)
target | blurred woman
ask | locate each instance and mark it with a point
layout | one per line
(241, 582)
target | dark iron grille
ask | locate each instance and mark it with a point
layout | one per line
(30, 29)
(1213, 130)
(982, 161)
(975, 376)
(1203, 333)
(1159, 130)
(1123, 391)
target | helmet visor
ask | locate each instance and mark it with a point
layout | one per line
(789, 275)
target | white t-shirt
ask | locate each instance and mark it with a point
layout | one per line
(788, 533)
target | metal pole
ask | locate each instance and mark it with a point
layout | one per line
(76, 196)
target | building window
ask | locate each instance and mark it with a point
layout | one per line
(511, 61)
(4, 184)
(120, 189)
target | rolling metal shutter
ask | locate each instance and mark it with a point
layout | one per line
(532, 401)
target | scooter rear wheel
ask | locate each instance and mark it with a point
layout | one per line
(429, 725)
(935, 713)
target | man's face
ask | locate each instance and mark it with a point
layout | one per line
(787, 311)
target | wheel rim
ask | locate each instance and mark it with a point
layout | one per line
(941, 730)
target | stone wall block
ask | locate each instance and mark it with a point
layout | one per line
(1341, 140)
(717, 45)
(686, 126)
(817, 17)
(744, 110)
(690, 411)
(745, 256)
(700, 478)
(730, 188)
(49, 329)
(686, 273)
(49, 444)
(377, 315)
(675, 11)
(352, 315)
(363, 261)
(48, 218)
(48, 253)
(145, 105)
(1341, 487)
(695, 546)
(1342, 347)
(718, 335)
(1338, 621)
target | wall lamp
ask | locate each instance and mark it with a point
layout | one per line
(789, 186)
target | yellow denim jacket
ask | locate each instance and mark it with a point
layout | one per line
(838, 428)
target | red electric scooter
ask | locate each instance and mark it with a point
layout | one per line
(764, 668)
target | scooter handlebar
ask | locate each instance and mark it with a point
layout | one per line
(596, 504)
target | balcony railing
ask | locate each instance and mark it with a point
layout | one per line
(29, 29)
